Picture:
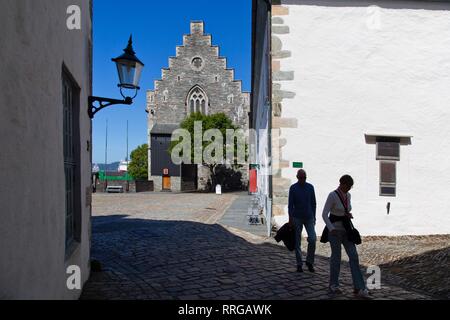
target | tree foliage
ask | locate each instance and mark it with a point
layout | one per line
(138, 167)
(217, 121)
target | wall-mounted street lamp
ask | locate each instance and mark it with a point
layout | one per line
(129, 68)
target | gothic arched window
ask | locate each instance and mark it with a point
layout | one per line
(197, 101)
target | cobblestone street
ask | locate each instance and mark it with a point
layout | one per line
(177, 246)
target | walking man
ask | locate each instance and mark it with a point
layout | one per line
(302, 212)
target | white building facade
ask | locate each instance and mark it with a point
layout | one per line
(45, 139)
(362, 88)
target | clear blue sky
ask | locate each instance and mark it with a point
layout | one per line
(157, 28)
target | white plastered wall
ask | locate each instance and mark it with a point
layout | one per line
(34, 44)
(354, 76)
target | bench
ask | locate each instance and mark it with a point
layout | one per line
(115, 189)
(254, 219)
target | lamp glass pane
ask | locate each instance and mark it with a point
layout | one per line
(127, 71)
(137, 74)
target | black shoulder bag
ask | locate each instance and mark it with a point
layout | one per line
(352, 234)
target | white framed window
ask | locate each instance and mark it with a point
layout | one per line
(197, 101)
(388, 150)
(388, 178)
(388, 155)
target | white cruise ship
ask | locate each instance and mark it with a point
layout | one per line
(123, 166)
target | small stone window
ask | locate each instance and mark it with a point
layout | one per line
(230, 98)
(216, 79)
(178, 78)
(197, 63)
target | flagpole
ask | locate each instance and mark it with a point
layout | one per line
(126, 160)
(106, 155)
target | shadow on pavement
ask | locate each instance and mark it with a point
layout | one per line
(429, 272)
(152, 259)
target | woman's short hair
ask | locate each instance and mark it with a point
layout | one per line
(347, 180)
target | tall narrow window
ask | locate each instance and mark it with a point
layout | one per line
(71, 147)
(197, 100)
(203, 106)
(388, 152)
(388, 178)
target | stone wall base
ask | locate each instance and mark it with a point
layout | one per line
(175, 183)
(100, 187)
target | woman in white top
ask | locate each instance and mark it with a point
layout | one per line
(337, 236)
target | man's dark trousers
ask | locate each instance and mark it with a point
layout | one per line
(310, 229)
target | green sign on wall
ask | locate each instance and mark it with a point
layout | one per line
(297, 165)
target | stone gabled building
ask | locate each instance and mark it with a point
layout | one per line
(197, 80)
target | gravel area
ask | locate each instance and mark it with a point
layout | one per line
(414, 262)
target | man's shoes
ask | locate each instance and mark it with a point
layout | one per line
(310, 267)
(334, 290)
(299, 269)
(364, 294)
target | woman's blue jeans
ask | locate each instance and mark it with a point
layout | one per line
(340, 238)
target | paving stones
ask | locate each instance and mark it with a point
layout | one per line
(149, 253)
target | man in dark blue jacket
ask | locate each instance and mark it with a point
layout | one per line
(302, 212)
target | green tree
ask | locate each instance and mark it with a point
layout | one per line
(138, 167)
(216, 147)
